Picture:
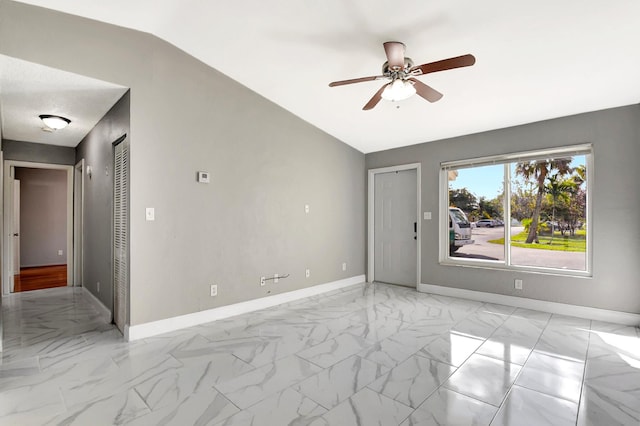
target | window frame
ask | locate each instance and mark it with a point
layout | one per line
(507, 160)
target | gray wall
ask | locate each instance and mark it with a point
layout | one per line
(1, 227)
(43, 216)
(264, 162)
(38, 153)
(97, 151)
(615, 134)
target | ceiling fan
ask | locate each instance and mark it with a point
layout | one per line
(402, 75)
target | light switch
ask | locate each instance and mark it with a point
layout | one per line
(151, 213)
(427, 215)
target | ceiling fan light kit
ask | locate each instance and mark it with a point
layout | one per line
(398, 90)
(400, 72)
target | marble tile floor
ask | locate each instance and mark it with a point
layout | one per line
(370, 354)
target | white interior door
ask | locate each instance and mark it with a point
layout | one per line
(395, 227)
(16, 228)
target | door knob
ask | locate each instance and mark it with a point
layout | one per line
(16, 235)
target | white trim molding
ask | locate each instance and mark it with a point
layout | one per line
(507, 160)
(104, 312)
(597, 314)
(141, 331)
(7, 208)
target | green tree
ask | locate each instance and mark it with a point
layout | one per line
(557, 187)
(579, 174)
(522, 200)
(463, 199)
(538, 171)
(490, 208)
(577, 205)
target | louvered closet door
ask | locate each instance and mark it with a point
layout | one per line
(120, 233)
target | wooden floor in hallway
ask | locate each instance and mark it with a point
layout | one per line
(40, 277)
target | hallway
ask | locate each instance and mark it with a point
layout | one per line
(40, 278)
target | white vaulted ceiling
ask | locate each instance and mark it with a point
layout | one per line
(535, 60)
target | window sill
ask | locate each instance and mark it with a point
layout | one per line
(513, 268)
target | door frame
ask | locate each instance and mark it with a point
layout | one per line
(78, 223)
(371, 217)
(15, 218)
(8, 178)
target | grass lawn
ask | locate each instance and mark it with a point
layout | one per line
(576, 243)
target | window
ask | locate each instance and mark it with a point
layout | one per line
(519, 211)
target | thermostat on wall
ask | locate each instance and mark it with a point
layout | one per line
(203, 177)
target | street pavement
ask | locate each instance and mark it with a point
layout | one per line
(483, 249)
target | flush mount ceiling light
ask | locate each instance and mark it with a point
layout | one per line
(54, 122)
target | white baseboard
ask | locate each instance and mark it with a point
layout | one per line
(43, 265)
(105, 313)
(597, 314)
(154, 328)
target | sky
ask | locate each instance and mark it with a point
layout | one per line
(486, 181)
(481, 181)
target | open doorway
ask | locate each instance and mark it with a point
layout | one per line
(38, 212)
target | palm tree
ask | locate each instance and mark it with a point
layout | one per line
(539, 170)
(557, 187)
(580, 175)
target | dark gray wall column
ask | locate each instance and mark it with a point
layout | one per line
(97, 151)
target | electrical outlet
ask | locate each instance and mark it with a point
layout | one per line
(59, 252)
(306, 208)
(263, 281)
(344, 266)
(518, 284)
(98, 286)
(307, 273)
(214, 290)
(275, 278)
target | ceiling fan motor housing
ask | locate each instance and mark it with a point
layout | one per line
(408, 63)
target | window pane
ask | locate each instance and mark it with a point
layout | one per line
(476, 213)
(548, 211)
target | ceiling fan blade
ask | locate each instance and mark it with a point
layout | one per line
(355, 80)
(446, 64)
(395, 54)
(427, 92)
(376, 98)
